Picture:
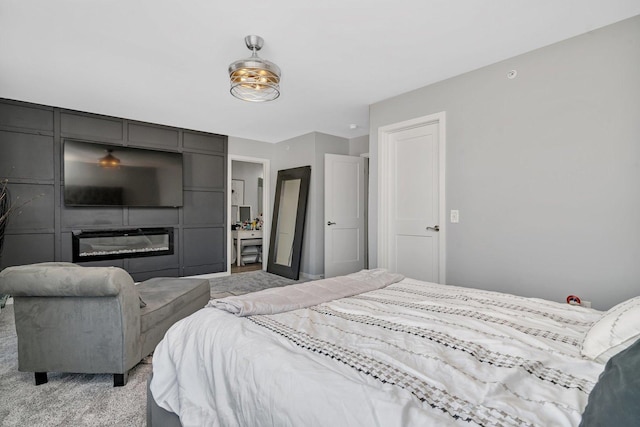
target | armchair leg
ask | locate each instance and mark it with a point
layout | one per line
(120, 380)
(41, 378)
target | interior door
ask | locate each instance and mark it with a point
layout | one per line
(414, 202)
(344, 214)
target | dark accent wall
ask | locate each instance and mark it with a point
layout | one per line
(31, 139)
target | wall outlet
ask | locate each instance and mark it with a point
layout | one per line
(455, 216)
(585, 304)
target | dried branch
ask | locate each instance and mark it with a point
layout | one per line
(6, 207)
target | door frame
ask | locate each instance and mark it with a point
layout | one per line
(385, 191)
(266, 211)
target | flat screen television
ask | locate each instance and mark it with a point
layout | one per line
(113, 175)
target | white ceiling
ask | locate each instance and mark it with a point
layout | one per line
(165, 61)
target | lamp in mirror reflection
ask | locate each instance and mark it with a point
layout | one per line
(109, 161)
(254, 79)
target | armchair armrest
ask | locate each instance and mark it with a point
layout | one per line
(63, 280)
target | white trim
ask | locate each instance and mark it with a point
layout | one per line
(312, 276)
(266, 211)
(384, 133)
(208, 275)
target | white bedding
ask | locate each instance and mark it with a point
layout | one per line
(412, 353)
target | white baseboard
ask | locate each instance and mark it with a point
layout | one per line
(209, 275)
(312, 276)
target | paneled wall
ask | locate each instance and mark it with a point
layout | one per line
(31, 141)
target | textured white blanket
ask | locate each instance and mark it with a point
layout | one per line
(303, 295)
(408, 354)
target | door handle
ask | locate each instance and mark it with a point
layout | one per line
(330, 223)
(436, 228)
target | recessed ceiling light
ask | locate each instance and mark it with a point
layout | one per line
(353, 126)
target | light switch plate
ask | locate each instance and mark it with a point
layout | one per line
(455, 216)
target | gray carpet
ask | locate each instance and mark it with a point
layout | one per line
(90, 400)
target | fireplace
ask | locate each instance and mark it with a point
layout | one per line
(98, 245)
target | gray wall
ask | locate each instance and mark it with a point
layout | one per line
(545, 168)
(31, 140)
(308, 149)
(305, 150)
(359, 145)
(250, 148)
(291, 153)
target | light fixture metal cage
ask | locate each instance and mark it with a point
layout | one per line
(254, 79)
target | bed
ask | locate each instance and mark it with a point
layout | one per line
(377, 349)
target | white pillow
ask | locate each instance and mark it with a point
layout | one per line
(616, 330)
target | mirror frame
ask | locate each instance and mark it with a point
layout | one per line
(302, 173)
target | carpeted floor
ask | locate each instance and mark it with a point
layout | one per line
(90, 400)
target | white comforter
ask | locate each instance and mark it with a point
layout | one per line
(412, 353)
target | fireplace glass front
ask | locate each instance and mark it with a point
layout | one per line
(124, 243)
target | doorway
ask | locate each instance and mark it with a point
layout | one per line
(248, 213)
(411, 201)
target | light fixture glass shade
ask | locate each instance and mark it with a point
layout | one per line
(254, 79)
(109, 161)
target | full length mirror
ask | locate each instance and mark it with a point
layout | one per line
(292, 190)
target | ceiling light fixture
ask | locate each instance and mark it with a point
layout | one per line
(254, 79)
(109, 161)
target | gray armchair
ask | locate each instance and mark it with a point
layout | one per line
(92, 319)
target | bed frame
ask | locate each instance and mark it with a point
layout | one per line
(157, 416)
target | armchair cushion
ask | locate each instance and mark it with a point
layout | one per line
(165, 297)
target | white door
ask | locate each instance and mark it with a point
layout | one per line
(344, 214)
(414, 206)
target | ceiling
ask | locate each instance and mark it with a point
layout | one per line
(165, 61)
